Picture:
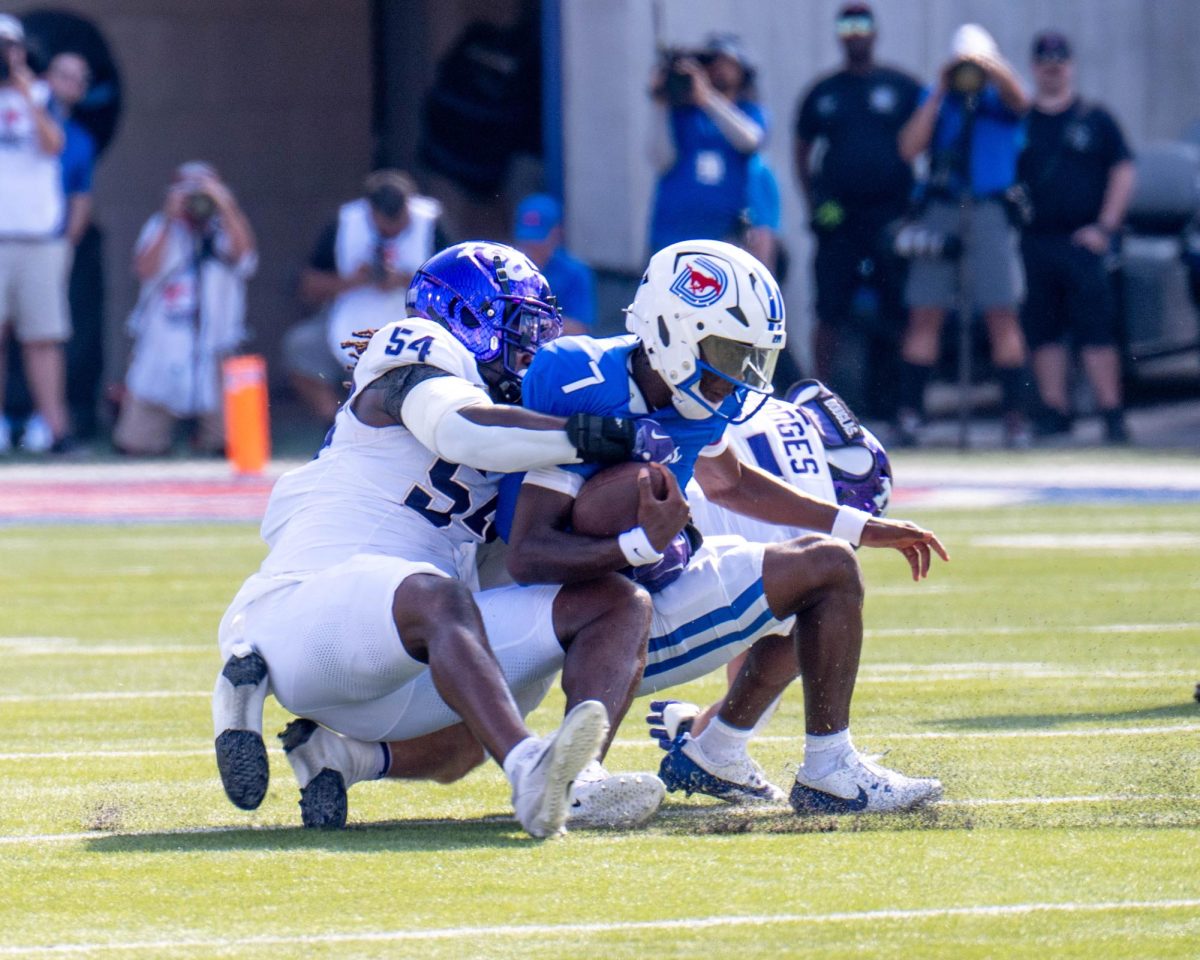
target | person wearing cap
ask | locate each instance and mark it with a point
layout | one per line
(1079, 173)
(193, 258)
(33, 255)
(860, 185)
(538, 233)
(970, 124)
(708, 126)
(356, 279)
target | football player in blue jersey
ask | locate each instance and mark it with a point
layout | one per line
(706, 326)
(811, 440)
(362, 620)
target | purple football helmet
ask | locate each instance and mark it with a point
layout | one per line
(496, 303)
(858, 464)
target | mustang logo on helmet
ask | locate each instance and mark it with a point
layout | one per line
(700, 283)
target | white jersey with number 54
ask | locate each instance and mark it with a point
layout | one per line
(379, 489)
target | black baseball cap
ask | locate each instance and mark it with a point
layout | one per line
(1051, 45)
(856, 10)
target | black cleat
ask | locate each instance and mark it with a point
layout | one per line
(323, 802)
(242, 761)
(237, 706)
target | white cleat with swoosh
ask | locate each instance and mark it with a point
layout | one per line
(860, 785)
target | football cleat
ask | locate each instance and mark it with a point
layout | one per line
(860, 785)
(323, 801)
(616, 801)
(669, 718)
(542, 782)
(237, 708)
(686, 767)
(326, 764)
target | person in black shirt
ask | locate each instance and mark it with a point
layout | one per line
(859, 186)
(1079, 173)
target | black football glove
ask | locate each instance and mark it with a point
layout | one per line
(617, 439)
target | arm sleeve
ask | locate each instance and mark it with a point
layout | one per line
(323, 257)
(431, 412)
(806, 118)
(1118, 148)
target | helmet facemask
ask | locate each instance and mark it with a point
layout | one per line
(711, 320)
(746, 368)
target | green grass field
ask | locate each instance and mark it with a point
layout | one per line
(1045, 676)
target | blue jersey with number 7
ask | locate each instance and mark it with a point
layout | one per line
(587, 375)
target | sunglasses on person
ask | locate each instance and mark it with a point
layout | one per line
(1051, 57)
(855, 26)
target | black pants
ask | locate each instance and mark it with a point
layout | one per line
(1069, 295)
(860, 310)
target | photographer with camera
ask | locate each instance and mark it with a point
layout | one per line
(33, 253)
(970, 123)
(708, 126)
(193, 259)
(850, 120)
(357, 279)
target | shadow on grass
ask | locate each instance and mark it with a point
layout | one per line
(1140, 812)
(392, 836)
(1189, 710)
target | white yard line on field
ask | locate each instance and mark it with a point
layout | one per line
(1174, 627)
(975, 735)
(101, 695)
(648, 742)
(556, 930)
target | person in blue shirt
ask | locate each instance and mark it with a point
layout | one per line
(538, 233)
(68, 77)
(970, 125)
(707, 130)
(706, 327)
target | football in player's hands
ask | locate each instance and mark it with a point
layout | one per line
(607, 505)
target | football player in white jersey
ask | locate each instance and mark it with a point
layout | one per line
(812, 441)
(707, 324)
(361, 620)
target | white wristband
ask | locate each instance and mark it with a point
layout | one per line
(849, 524)
(637, 549)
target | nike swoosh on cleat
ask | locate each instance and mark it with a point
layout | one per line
(815, 801)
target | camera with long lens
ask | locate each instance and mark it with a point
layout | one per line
(913, 240)
(199, 207)
(677, 83)
(966, 78)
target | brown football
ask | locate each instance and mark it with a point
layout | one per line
(608, 503)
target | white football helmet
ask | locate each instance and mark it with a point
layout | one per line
(705, 306)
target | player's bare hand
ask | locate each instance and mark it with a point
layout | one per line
(917, 544)
(662, 518)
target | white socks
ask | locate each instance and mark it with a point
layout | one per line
(723, 743)
(364, 761)
(822, 754)
(518, 756)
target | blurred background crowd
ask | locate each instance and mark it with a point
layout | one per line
(961, 217)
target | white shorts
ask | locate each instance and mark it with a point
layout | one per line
(713, 612)
(334, 654)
